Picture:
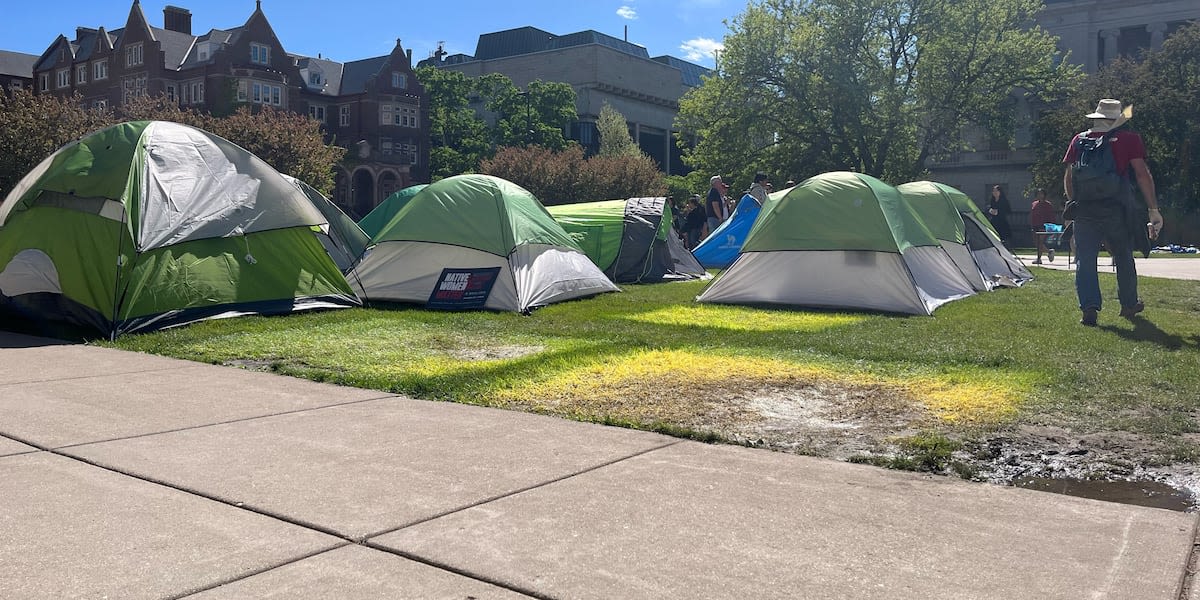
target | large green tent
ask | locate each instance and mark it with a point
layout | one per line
(966, 235)
(379, 216)
(632, 240)
(476, 241)
(150, 224)
(841, 240)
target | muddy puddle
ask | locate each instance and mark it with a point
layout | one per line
(1141, 493)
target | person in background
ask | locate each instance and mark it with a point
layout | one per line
(1111, 220)
(758, 189)
(997, 213)
(693, 223)
(1040, 213)
(714, 203)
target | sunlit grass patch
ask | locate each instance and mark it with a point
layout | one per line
(975, 398)
(738, 318)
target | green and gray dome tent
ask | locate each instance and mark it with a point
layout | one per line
(632, 240)
(966, 234)
(476, 241)
(342, 238)
(149, 224)
(379, 216)
(840, 240)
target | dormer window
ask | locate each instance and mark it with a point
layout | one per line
(260, 54)
(133, 55)
(314, 79)
(399, 80)
(202, 52)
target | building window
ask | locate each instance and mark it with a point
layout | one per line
(202, 52)
(192, 92)
(44, 82)
(399, 80)
(385, 114)
(170, 92)
(133, 55)
(263, 93)
(317, 112)
(133, 87)
(100, 70)
(314, 79)
(344, 115)
(385, 146)
(81, 74)
(260, 54)
(408, 117)
(99, 104)
(64, 78)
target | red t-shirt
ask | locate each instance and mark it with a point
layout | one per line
(1126, 146)
(1041, 213)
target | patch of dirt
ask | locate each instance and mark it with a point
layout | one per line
(841, 422)
(494, 352)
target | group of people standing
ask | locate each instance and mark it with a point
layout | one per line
(701, 216)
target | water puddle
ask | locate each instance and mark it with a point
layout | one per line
(1141, 493)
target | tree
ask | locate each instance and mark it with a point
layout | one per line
(875, 86)
(614, 134)
(33, 127)
(459, 139)
(536, 116)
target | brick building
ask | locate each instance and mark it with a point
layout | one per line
(375, 107)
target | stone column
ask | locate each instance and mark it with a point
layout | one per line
(1158, 31)
(1110, 44)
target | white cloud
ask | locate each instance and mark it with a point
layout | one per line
(700, 48)
(627, 12)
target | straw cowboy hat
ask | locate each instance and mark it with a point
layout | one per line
(1110, 115)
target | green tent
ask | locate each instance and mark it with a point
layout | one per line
(476, 241)
(966, 235)
(379, 217)
(151, 224)
(343, 239)
(841, 240)
(632, 240)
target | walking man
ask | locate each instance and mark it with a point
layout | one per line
(1108, 217)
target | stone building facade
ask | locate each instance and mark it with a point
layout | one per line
(374, 107)
(1093, 32)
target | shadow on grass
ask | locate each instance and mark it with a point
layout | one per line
(1146, 331)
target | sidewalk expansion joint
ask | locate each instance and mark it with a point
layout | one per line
(231, 421)
(253, 573)
(521, 490)
(96, 375)
(460, 572)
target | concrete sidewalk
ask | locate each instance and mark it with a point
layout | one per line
(125, 475)
(1165, 266)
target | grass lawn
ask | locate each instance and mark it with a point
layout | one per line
(652, 358)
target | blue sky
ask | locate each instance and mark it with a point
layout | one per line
(688, 29)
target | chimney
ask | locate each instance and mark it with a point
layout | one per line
(177, 19)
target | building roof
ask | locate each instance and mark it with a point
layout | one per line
(692, 72)
(17, 64)
(331, 74)
(356, 74)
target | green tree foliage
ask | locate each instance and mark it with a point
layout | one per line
(875, 86)
(1163, 87)
(566, 177)
(536, 116)
(35, 126)
(32, 127)
(459, 139)
(614, 134)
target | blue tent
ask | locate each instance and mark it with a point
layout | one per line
(722, 246)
